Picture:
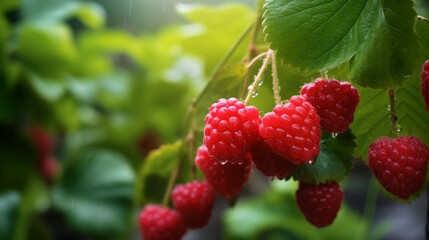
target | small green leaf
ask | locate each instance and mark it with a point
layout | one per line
(377, 36)
(9, 204)
(95, 193)
(333, 163)
(46, 49)
(156, 171)
(225, 84)
(47, 88)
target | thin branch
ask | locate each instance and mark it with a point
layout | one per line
(276, 87)
(249, 68)
(393, 117)
(258, 78)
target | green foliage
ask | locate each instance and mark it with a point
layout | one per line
(333, 163)
(9, 202)
(95, 193)
(320, 35)
(274, 215)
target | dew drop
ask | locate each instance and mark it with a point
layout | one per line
(312, 161)
(223, 162)
(261, 81)
(389, 108)
(240, 162)
(334, 135)
(255, 93)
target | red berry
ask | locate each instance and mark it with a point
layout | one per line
(161, 223)
(399, 164)
(319, 203)
(43, 141)
(231, 129)
(334, 101)
(425, 83)
(226, 179)
(194, 201)
(268, 162)
(292, 130)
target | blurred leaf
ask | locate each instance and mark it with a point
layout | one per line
(275, 214)
(333, 163)
(155, 172)
(95, 193)
(422, 29)
(65, 111)
(214, 30)
(114, 89)
(7, 5)
(225, 84)
(4, 35)
(43, 11)
(9, 202)
(47, 88)
(319, 35)
(46, 49)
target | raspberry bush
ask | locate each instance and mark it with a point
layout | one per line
(270, 118)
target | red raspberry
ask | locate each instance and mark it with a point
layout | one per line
(319, 203)
(334, 101)
(194, 201)
(425, 83)
(399, 164)
(268, 162)
(227, 179)
(293, 130)
(231, 129)
(161, 223)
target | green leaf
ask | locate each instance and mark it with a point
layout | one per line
(225, 84)
(95, 193)
(48, 11)
(320, 35)
(47, 88)
(422, 29)
(9, 204)
(46, 49)
(155, 173)
(333, 163)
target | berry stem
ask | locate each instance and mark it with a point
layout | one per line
(258, 77)
(276, 87)
(393, 117)
(249, 68)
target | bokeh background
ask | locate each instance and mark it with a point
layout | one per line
(89, 88)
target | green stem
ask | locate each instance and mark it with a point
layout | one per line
(393, 117)
(276, 87)
(258, 78)
(249, 68)
(371, 202)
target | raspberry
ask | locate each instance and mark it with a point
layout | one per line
(194, 201)
(319, 203)
(226, 179)
(425, 83)
(160, 223)
(231, 129)
(399, 164)
(293, 130)
(268, 162)
(334, 101)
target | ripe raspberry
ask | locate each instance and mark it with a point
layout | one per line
(399, 164)
(334, 101)
(194, 201)
(43, 141)
(226, 179)
(425, 83)
(293, 130)
(231, 129)
(160, 223)
(268, 162)
(319, 203)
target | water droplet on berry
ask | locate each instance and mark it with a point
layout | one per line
(312, 161)
(334, 135)
(223, 162)
(240, 162)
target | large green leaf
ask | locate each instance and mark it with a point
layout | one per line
(333, 163)
(95, 193)
(320, 35)
(46, 49)
(9, 202)
(225, 84)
